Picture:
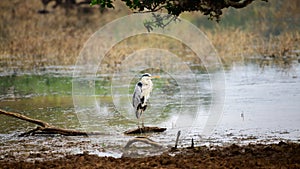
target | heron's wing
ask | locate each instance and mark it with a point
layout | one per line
(136, 98)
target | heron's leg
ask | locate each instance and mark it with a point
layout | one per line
(138, 123)
(142, 118)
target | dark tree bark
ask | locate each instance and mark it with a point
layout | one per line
(145, 130)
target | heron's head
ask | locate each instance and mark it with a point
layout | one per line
(147, 76)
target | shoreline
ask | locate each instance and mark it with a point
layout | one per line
(280, 155)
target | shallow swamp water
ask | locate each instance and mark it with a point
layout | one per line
(260, 105)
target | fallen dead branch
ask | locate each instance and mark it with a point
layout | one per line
(145, 130)
(45, 128)
(145, 140)
(22, 117)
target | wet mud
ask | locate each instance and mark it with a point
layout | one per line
(280, 155)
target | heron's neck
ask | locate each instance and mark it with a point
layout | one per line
(145, 82)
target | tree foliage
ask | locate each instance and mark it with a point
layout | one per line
(211, 8)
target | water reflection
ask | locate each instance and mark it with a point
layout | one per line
(284, 64)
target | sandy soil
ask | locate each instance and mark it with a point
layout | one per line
(281, 155)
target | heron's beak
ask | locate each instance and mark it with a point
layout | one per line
(155, 77)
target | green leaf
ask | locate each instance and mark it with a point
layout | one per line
(95, 2)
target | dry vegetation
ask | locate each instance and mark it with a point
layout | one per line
(29, 40)
(236, 45)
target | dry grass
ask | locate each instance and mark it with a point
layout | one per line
(121, 51)
(284, 45)
(29, 40)
(235, 45)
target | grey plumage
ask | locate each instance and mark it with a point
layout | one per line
(141, 94)
(138, 100)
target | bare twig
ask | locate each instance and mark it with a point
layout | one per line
(192, 144)
(177, 139)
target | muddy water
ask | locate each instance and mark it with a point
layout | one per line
(261, 105)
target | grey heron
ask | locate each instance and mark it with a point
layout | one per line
(141, 95)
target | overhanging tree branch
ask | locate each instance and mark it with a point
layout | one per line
(211, 8)
(239, 4)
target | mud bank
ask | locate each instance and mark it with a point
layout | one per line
(281, 155)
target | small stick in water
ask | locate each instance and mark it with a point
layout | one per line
(177, 139)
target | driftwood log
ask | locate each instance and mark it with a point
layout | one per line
(46, 128)
(145, 129)
(145, 140)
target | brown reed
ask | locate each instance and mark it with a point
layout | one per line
(29, 40)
